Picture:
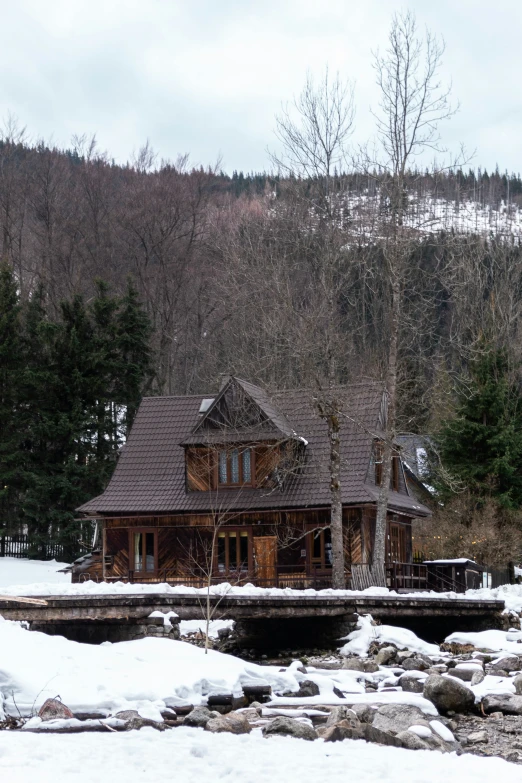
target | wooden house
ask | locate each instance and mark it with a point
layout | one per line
(236, 488)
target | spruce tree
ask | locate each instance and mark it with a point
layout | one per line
(11, 366)
(482, 445)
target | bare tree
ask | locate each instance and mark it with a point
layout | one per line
(413, 104)
(314, 131)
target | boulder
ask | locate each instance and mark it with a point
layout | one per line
(412, 741)
(364, 712)
(477, 677)
(337, 714)
(341, 731)
(517, 682)
(373, 734)
(394, 718)
(509, 663)
(465, 675)
(233, 723)
(307, 688)
(448, 693)
(402, 655)
(289, 727)
(411, 684)
(507, 703)
(199, 717)
(53, 709)
(385, 656)
(360, 665)
(416, 663)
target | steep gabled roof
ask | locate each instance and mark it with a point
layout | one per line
(258, 418)
(150, 475)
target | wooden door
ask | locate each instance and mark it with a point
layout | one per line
(265, 552)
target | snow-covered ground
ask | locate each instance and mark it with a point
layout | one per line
(194, 755)
(21, 572)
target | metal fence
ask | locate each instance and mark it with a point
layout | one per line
(20, 545)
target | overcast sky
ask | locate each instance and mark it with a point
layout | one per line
(206, 77)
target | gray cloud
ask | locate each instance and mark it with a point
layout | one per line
(207, 76)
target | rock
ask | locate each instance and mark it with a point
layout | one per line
(385, 655)
(233, 723)
(133, 721)
(53, 709)
(402, 655)
(307, 688)
(360, 665)
(289, 727)
(477, 736)
(465, 675)
(338, 693)
(448, 694)
(412, 741)
(374, 734)
(507, 703)
(398, 717)
(411, 684)
(417, 664)
(477, 677)
(341, 731)
(364, 712)
(337, 714)
(199, 717)
(517, 682)
(508, 663)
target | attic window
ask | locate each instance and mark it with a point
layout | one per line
(205, 405)
(235, 467)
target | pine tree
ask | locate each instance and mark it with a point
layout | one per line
(482, 445)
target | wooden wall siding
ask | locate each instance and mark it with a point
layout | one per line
(353, 548)
(200, 466)
(267, 458)
(117, 547)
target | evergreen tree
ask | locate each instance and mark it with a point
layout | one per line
(11, 366)
(482, 445)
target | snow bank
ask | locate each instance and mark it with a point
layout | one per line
(193, 755)
(20, 572)
(496, 641)
(359, 641)
(510, 594)
(141, 675)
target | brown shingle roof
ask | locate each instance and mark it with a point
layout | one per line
(150, 475)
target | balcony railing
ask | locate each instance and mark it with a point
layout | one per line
(399, 576)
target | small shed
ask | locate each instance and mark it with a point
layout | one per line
(459, 575)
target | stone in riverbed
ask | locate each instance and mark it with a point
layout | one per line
(477, 736)
(307, 688)
(448, 694)
(233, 723)
(508, 663)
(199, 717)
(360, 665)
(53, 709)
(507, 703)
(341, 731)
(394, 718)
(289, 727)
(478, 676)
(517, 682)
(416, 663)
(411, 684)
(385, 655)
(412, 741)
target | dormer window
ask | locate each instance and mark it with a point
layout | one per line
(235, 467)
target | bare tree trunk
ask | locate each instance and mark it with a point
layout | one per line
(379, 549)
(336, 510)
